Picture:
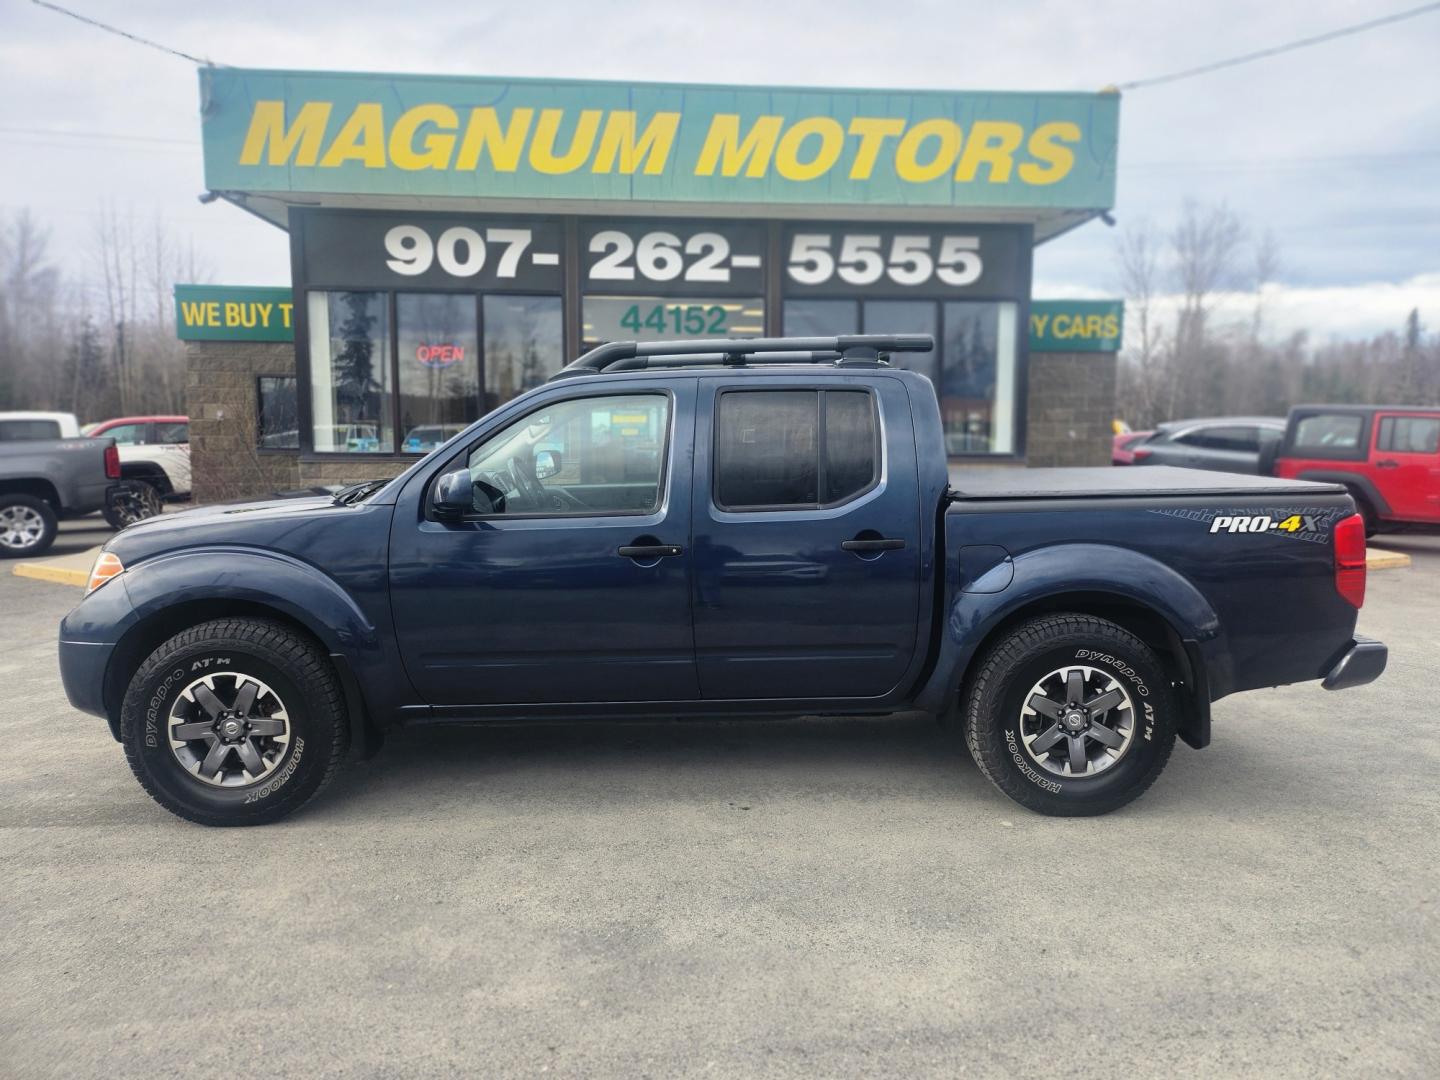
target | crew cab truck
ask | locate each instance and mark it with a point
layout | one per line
(732, 527)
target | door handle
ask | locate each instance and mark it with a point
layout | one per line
(649, 551)
(1387, 464)
(881, 544)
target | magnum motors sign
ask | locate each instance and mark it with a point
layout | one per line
(279, 131)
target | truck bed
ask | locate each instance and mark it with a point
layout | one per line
(1111, 482)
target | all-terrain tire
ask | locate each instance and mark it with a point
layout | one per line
(296, 674)
(995, 731)
(132, 501)
(27, 526)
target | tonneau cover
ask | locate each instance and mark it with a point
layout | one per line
(1121, 482)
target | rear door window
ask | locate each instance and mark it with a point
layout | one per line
(1409, 434)
(171, 433)
(794, 449)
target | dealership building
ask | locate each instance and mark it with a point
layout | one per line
(455, 241)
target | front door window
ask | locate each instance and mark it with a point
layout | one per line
(593, 455)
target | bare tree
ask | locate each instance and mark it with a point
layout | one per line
(1138, 253)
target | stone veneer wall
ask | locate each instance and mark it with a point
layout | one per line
(330, 473)
(221, 396)
(1071, 406)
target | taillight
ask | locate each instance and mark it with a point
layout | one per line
(112, 463)
(1140, 453)
(1350, 559)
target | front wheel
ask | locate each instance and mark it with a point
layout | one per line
(234, 722)
(1070, 715)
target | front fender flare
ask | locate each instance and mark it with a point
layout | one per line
(1073, 568)
(287, 585)
(290, 586)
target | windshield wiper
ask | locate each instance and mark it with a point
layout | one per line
(363, 490)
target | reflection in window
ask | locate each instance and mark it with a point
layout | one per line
(821, 318)
(851, 444)
(597, 455)
(276, 412)
(523, 345)
(439, 355)
(977, 388)
(1328, 434)
(906, 317)
(794, 449)
(350, 372)
(768, 449)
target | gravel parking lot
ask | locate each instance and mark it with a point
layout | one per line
(737, 899)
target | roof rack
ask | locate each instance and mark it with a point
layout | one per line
(859, 349)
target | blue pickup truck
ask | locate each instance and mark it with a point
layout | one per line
(752, 527)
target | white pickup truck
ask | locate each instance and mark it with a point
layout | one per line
(154, 464)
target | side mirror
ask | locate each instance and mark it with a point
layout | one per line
(454, 494)
(547, 464)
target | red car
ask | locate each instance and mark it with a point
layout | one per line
(1387, 455)
(1122, 450)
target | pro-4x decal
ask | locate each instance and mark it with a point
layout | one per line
(1291, 522)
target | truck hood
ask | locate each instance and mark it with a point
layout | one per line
(262, 524)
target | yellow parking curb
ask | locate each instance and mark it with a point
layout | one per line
(61, 575)
(60, 569)
(1377, 559)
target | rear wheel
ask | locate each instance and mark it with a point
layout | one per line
(27, 526)
(131, 501)
(234, 722)
(1070, 715)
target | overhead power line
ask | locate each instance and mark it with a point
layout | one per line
(1289, 46)
(121, 33)
(107, 135)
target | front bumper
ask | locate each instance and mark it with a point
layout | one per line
(82, 673)
(1362, 662)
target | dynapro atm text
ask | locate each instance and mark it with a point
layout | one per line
(1245, 523)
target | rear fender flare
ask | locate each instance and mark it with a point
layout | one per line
(1074, 568)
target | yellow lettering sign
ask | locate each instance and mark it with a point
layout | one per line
(557, 141)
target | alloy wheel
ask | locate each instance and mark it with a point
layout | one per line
(21, 527)
(1077, 721)
(229, 729)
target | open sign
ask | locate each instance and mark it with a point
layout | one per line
(439, 355)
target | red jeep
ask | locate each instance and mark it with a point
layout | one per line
(1387, 455)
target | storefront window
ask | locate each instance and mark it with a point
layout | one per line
(439, 357)
(907, 317)
(350, 389)
(654, 318)
(524, 344)
(977, 385)
(275, 410)
(821, 318)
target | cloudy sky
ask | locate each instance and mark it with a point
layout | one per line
(1336, 148)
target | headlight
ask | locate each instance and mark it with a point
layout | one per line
(107, 566)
